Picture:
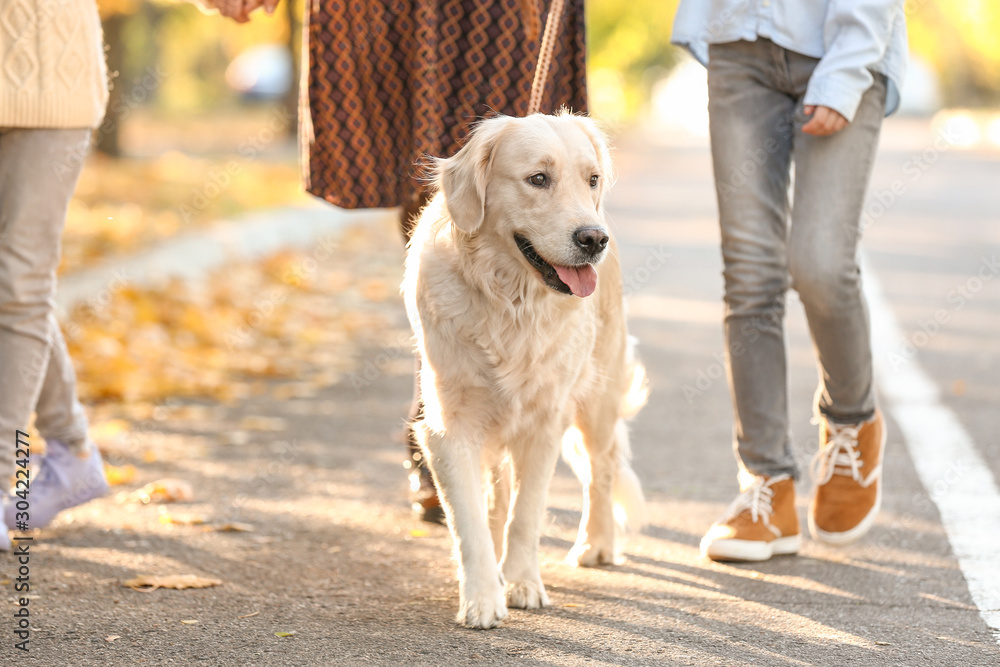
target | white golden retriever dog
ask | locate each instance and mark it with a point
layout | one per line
(514, 292)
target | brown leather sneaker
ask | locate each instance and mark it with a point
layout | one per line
(847, 471)
(760, 523)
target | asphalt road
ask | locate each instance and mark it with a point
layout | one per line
(337, 558)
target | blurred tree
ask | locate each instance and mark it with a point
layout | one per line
(174, 54)
(959, 39)
(629, 48)
(114, 14)
(294, 16)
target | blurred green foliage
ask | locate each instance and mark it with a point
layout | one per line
(629, 49)
(957, 38)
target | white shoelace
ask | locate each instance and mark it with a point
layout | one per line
(758, 498)
(839, 456)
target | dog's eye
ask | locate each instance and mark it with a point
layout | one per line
(593, 180)
(539, 180)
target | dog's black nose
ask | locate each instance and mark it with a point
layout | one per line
(591, 240)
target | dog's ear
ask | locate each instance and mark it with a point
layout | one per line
(463, 178)
(600, 142)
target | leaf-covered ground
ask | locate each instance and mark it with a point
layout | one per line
(121, 205)
(289, 325)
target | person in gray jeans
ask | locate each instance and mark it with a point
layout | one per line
(53, 91)
(800, 86)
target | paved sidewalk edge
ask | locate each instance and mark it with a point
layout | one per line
(193, 255)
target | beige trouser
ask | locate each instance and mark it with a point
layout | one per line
(39, 169)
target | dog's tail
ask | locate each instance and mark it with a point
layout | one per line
(629, 501)
(626, 491)
(638, 391)
(630, 504)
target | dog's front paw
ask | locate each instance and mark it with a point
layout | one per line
(593, 554)
(484, 608)
(526, 595)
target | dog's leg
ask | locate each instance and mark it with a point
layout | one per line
(533, 461)
(456, 468)
(595, 543)
(498, 502)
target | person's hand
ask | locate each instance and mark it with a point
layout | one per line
(824, 122)
(239, 10)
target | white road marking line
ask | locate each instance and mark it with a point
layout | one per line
(950, 466)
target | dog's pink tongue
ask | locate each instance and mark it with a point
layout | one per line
(581, 280)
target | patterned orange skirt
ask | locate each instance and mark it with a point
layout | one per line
(391, 81)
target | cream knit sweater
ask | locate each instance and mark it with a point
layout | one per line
(52, 70)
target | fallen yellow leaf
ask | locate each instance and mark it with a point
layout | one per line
(258, 423)
(108, 430)
(118, 475)
(182, 519)
(285, 634)
(162, 491)
(235, 527)
(294, 390)
(174, 581)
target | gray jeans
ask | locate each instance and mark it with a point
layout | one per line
(770, 244)
(38, 173)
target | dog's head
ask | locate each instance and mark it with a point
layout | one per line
(534, 186)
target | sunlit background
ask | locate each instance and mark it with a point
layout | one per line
(193, 83)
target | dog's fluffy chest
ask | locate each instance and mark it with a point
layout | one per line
(539, 354)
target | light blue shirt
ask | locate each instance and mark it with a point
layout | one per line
(852, 39)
